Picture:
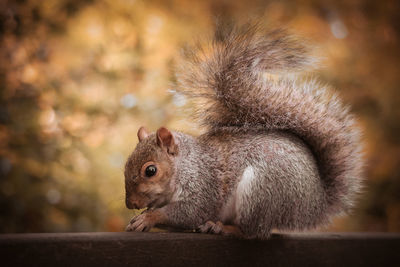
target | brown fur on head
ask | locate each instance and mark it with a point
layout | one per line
(154, 153)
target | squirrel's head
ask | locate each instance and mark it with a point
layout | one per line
(150, 169)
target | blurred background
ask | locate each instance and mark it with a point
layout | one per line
(79, 77)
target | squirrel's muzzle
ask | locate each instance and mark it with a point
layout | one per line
(129, 204)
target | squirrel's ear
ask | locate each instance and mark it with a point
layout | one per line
(165, 140)
(142, 133)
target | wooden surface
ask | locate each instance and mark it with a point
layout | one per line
(184, 249)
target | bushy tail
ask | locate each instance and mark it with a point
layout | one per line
(229, 78)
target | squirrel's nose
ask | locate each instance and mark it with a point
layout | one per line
(129, 204)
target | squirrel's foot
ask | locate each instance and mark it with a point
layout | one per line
(145, 221)
(220, 229)
(139, 223)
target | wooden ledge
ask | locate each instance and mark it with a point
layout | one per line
(187, 249)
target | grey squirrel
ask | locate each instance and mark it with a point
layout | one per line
(280, 152)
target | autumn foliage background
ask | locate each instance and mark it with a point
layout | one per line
(78, 78)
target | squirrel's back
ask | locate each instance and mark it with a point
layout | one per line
(239, 80)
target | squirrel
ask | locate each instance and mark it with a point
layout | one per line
(279, 152)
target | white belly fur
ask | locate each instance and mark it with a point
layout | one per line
(231, 208)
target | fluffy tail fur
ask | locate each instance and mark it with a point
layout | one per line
(229, 75)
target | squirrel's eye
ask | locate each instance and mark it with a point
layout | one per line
(150, 171)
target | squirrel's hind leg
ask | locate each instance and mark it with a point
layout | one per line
(220, 229)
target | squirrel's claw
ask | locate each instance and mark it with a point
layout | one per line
(211, 228)
(139, 223)
(220, 229)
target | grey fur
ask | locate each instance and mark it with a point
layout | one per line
(293, 140)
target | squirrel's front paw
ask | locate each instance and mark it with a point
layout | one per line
(145, 221)
(140, 223)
